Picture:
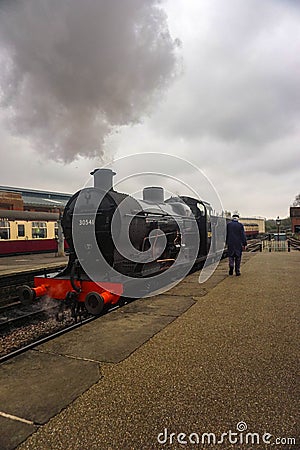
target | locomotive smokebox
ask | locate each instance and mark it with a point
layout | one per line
(103, 179)
(153, 194)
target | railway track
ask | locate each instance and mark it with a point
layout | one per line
(16, 314)
(44, 339)
(254, 245)
(11, 303)
(10, 282)
(40, 337)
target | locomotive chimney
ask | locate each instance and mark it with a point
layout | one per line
(103, 179)
(153, 194)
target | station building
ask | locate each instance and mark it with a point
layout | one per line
(295, 218)
(12, 198)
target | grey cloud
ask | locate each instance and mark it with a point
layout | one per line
(242, 73)
(76, 70)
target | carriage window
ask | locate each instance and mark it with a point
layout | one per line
(21, 230)
(4, 229)
(39, 230)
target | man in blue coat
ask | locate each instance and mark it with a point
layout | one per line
(236, 241)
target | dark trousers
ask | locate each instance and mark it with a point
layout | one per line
(235, 260)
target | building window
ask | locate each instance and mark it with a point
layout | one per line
(4, 229)
(21, 230)
(39, 230)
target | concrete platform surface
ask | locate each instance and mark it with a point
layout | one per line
(23, 263)
(29, 384)
(228, 363)
(116, 335)
(14, 431)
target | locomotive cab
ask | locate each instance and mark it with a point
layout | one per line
(202, 213)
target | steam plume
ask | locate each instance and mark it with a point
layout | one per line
(74, 70)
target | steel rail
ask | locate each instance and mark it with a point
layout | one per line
(20, 318)
(45, 339)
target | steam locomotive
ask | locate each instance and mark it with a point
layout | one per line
(123, 247)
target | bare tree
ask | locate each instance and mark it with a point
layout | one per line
(297, 200)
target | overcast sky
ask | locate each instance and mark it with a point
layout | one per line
(214, 82)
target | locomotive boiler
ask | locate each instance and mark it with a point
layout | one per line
(120, 246)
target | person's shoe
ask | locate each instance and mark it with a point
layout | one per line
(238, 274)
(230, 270)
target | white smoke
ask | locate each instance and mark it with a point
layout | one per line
(73, 71)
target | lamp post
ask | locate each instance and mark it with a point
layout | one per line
(278, 222)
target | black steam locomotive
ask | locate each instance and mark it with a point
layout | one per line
(123, 247)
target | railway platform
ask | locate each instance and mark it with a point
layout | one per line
(11, 265)
(200, 366)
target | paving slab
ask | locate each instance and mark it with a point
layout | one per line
(164, 305)
(13, 432)
(115, 336)
(36, 386)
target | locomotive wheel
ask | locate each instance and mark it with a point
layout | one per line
(26, 295)
(94, 303)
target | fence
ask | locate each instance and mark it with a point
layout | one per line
(280, 246)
